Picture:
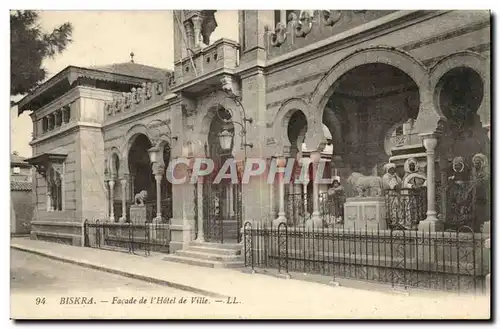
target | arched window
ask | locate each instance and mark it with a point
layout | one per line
(55, 182)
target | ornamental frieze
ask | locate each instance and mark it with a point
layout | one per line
(301, 24)
(147, 93)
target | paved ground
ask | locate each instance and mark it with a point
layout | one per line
(30, 272)
(250, 295)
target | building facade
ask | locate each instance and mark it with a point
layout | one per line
(21, 203)
(359, 88)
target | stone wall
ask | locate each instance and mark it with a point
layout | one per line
(21, 211)
(65, 143)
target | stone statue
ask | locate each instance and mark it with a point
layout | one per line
(141, 197)
(208, 25)
(365, 186)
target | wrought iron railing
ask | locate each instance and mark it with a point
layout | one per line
(332, 208)
(405, 207)
(452, 261)
(127, 237)
(297, 209)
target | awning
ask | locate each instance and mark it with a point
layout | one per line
(41, 162)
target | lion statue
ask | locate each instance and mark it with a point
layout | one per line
(141, 197)
(364, 186)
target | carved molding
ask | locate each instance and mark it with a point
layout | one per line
(331, 17)
(148, 92)
(303, 23)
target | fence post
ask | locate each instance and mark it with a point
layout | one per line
(487, 246)
(97, 234)
(147, 238)
(86, 242)
(283, 250)
(248, 245)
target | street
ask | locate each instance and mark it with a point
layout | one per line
(30, 273)
(42, 288)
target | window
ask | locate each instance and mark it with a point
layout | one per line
(16, 170)
(399, 130)
(54, 189)
(45, 124)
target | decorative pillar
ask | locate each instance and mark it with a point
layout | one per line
(188, 26)
(51, 121)
(199, 195)
(106, 185)
(124, 183)
(132, 186)
(315, 220)
(231, 201)
(315, 214)
(112, 199)
(431, 222)
(197, 29)
(281, 181)
(50, 203)
(158, 170)
(283, 17)
(271, 200)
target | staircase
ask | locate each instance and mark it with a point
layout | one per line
(216, 255)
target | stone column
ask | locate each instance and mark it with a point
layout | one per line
(272, 210)
(316, 220)
(431, 222)
(199, 203)
(281, 181)
(106, 186)
(50, 203)
(283, 17)
(158, 170)
(231, 201)
(197, 20)
(188, 26)
(315, 214)
(132, 187)
(112, 199)
(124, 183)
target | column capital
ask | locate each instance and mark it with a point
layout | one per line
(126, 176)
(429, 140)
(158, 169)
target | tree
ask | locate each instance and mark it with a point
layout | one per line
(29, 46)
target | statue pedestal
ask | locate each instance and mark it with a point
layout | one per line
(138, 214)
(365, 212)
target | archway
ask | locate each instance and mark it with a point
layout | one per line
(221, 200)
(365, 103)
(140, 167)
(464, 198)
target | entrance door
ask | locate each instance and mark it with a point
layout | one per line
(222, 212)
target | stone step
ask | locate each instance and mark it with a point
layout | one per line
(232, 246)
(215, 251)
(203, 262)
(208, 255)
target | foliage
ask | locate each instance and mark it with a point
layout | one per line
(30, 45)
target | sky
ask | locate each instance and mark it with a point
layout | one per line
(105, 37)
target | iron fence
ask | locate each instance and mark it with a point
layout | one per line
(405, 207)
(452, 261)
(297, 209)
(128, 237)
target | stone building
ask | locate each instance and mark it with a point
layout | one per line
(388, 86)
(21, 196)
